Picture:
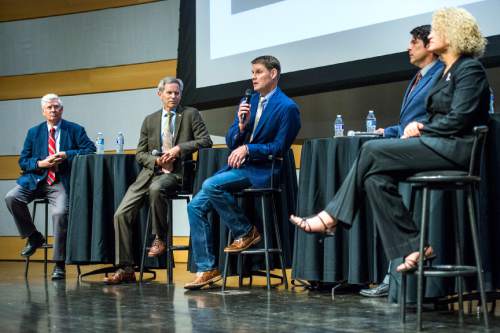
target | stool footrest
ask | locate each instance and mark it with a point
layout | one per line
(257, 251)
(179, 248)
(448, 270)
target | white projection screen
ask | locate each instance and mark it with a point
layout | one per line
(322, 45)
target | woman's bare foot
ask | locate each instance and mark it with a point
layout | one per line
(411, 260)
(321, 223)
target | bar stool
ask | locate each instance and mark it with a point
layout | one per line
(449, 180)
(265, 195)
(45, 246)
(184, 193)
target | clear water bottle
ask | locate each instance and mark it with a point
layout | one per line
(120, 141)
(99, 143)
(492, 102)
(371, 122)
(339, 126)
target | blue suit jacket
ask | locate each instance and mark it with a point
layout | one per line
(278, 126)
(73, 140)
(413, 106)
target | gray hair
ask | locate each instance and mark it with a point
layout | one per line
(168, 80)
(49, 97)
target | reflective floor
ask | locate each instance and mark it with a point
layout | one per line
(40, 305)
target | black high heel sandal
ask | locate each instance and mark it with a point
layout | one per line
(411, 265)
(306, 226)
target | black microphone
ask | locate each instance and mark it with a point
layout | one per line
(156, 152)
(248, 96)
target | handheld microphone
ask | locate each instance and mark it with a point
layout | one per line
(248, 96)
(156, 152)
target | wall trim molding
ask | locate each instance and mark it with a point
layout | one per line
(87, 81)
(13, 10)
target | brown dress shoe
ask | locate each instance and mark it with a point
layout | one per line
(158, 248)
(243, 243)
(120, 276)
(204, 279)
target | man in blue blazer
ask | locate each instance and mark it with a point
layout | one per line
(413, 106)
(45, 161)
(266, 126)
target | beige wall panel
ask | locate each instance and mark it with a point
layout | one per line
(11, 10)
(86, 81)
(9, 169)
(10, 247)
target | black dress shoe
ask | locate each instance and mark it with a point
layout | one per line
(34, 242)
(59, 273)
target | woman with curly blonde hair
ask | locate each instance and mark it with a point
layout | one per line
(457, 103)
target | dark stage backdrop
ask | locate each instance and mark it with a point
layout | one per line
(217, 41)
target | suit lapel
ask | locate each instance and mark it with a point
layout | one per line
(266, 113)
(407, 93)
(44, 137)
(444, 81)
(156, 126)
(63, 137)
(178, 120)
(423, 82)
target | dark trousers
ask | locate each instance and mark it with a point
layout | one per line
(374, 177)
(125, 216)
(17, 201)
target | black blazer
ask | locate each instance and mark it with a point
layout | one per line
(457, 102)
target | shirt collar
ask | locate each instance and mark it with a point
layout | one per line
(164, 112)
(56, 127)
(268, 96)
(424, 70)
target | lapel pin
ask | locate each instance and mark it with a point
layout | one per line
(448, 77)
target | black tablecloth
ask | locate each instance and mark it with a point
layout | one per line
(209, 162)
(350, 254)
(355, 255)
(98, 184)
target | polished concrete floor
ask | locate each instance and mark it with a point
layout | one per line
(41, 305)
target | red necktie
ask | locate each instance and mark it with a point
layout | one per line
(51, 176)
(417, 79)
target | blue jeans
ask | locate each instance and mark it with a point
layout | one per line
(215, 194)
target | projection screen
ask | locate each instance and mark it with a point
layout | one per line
(322, 45)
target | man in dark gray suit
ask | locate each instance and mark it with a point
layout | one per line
(412, 107)
(177, 132)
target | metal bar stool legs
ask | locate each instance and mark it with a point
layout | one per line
(458, 271)
(144, 245)
(477, 254)
(46, 246)
(423, 238)
(279, 244)
(169, 241)
(266, 241)
(266, 250)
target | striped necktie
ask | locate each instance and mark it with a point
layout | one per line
(417, 80)
(51, 175)
(167, 137)
(260, 108)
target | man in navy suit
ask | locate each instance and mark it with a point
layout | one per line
(267, 126)
(413, 106)
(45, 161)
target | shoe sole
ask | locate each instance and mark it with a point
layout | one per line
(111, 283)
(255, 241)
(374, 295)
(201, 285)
(156, 255)
(34, 251)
